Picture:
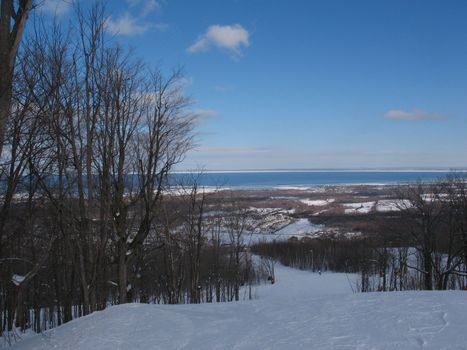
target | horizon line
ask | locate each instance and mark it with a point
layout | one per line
(298, 170)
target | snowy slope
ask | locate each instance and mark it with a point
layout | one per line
(301, 311)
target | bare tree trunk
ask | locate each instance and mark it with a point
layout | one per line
(12, 24)
(122, 272)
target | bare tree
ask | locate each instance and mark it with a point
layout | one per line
(195, 226)
(237, 227)
(149, 141)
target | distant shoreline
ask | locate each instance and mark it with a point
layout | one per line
(279, 188)
(306, 179)
(427, 170)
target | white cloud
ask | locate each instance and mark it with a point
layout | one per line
(128, 25)
(201, 115)
(150, 6)
(229, 37)
(205, 113)
(184, 82)
(55, 7)
(131, 24)
(147, 6)
(414, 115)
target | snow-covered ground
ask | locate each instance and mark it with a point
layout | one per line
(298, 228)
(385, 205)
(317, 202)
(275, 227)
(382, 205)
(301, 311)
(359, 208)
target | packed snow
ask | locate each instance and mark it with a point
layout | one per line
(302, 310)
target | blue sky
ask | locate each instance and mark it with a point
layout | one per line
(311, 83)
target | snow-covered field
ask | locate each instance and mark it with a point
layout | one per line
(358, 208)
(382, 205)
(317, 202)
(272, 224)
(301, 311)
(385, 205)
(299, 228)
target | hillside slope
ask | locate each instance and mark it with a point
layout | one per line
(301, 311)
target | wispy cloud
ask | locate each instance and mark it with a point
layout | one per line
(237, 151)
(146, 6)
(231, 38)
(129, 24)
(56, 7)
(202, 115)
(205, 113)
(413, 115)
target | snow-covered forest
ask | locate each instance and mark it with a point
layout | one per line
(98, 240)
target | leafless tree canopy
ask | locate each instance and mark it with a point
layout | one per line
(87, 217)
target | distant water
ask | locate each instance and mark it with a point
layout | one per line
(306, 179)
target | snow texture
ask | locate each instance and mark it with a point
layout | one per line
(302, 310)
